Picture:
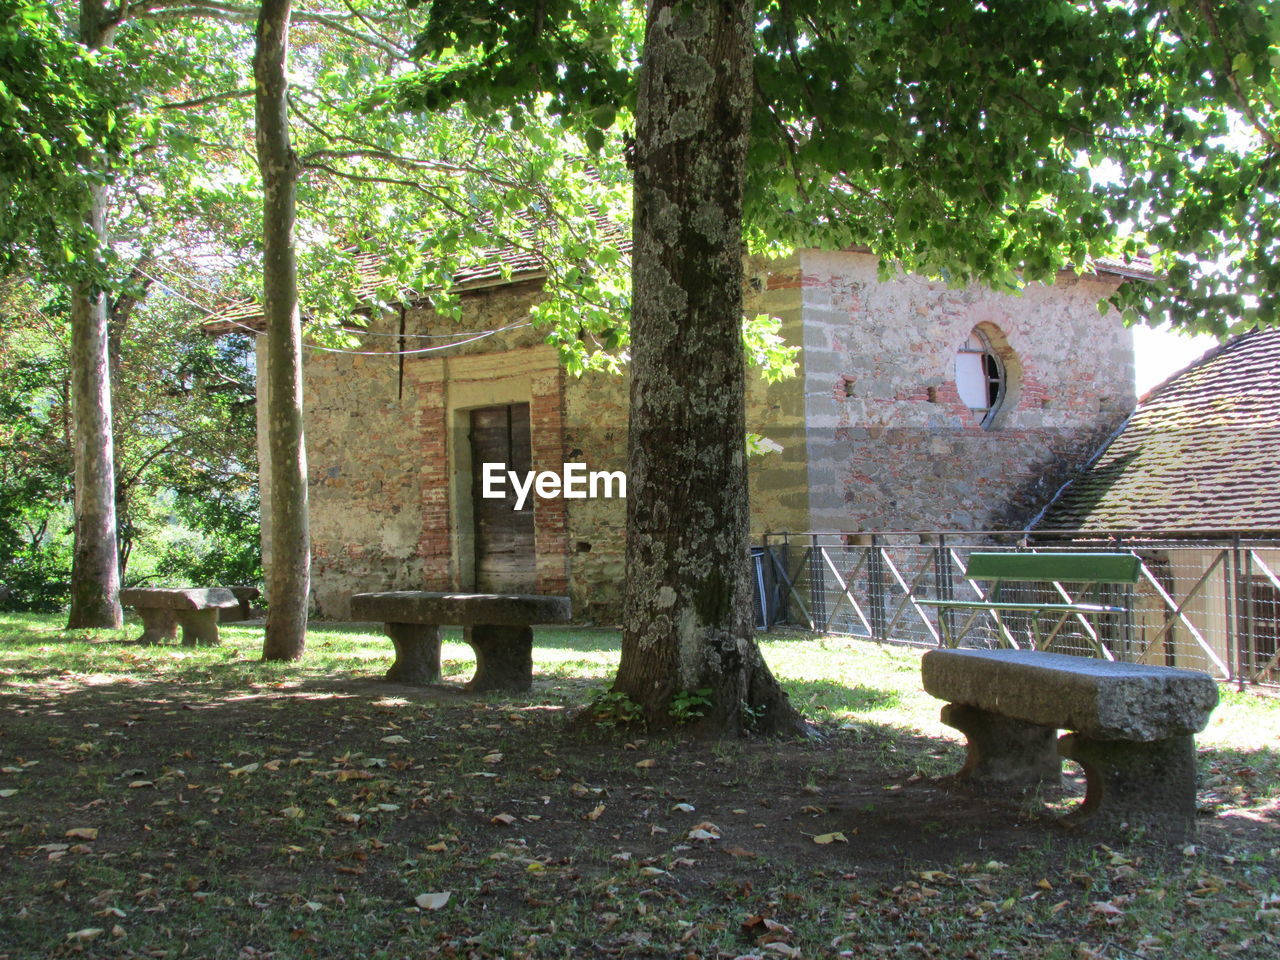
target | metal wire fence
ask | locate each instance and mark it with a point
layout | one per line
(1209, 604)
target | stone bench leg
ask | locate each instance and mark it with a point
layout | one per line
(417, 652)
(158, 626)
(1148, 785)
(504, 657)
(198, 627)
(1005, 751)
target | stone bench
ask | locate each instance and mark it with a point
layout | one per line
(1130, 724)
(497, 626)
(245, 596)
(195, 609)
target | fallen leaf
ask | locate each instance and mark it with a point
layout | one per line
(684, 807)
(395, 738)
(293, 813)
(241, 771)
(438, 847)
(139, 784)
(82, 833)
(826, 838)
(646, 764)
(595, 813)
(88, 933)
(432, 901)
(6, 794)
(491, 758)
(505, 818)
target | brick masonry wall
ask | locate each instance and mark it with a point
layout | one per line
(892, 447)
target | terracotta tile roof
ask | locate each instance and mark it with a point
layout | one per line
(1139, 268)
(522, 264)
(1200, 452)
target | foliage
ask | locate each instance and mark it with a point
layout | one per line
(186, 451)
(64, 114)
(688, 705)
(1200, 179)
(1013, 142)
(614, 709)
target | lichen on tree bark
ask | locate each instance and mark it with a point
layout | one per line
(687, 622)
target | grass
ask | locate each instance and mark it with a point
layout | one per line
(168, 802)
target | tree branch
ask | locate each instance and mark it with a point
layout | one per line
(211, 98)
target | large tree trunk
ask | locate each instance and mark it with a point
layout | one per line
(95, 571)
(289, 573)
(687, 623)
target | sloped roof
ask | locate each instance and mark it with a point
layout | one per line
(505, 264)
(509, 264)
(1201, 452)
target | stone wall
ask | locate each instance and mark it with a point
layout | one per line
(892, 447)
(389, 458)
(872, 431)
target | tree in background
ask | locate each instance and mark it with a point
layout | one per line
(184, 441)
(969, 141)
(63, 134)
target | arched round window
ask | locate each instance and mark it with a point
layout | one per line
(980, 378)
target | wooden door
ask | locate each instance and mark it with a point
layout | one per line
(504, 551)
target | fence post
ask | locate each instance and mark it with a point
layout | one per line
(942, 574)
(876, 590)
(1231, 600)
(817, 585)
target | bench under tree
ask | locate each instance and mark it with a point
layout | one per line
(1130, 726)
(498, 627)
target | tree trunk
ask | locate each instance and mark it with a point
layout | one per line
(95, 571)
(687, 623)
(289, 574)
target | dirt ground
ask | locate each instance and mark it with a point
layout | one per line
(320, 792)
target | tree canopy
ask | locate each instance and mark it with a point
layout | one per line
(60, 105)
(994, 141)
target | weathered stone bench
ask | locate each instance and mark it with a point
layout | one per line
(499, 628)
(195, 609)
(1131, 729)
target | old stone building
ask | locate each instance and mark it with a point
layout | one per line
(916, 407)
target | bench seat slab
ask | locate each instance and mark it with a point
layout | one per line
(465, 609)
(1146, 785)
(179, 598)
(1099, 698)
(1004, 751)
(417, 652)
